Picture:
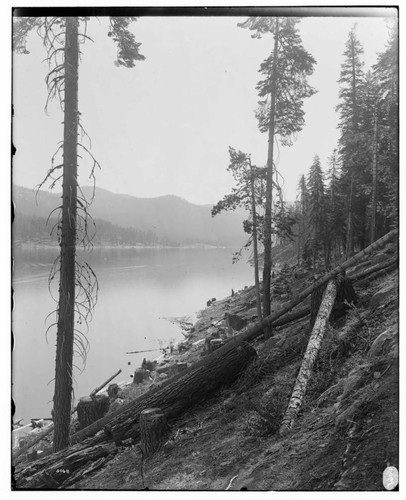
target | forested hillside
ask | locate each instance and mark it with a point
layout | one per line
(126, 220)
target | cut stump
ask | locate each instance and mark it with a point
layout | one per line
(153, 431)
(91, 409)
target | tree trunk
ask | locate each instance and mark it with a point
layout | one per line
(374, 180)
(65, 329)
(266, 280)
(90, 409)
(349, 240)
(255, 242)
(312, 350)
(177, 393)
(153, 431)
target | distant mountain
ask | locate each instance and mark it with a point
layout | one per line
(170, 218)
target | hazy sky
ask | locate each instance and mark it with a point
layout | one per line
(164, 127)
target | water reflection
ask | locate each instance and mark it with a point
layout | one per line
(137, 288)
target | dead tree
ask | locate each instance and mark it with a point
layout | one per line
(312, 350)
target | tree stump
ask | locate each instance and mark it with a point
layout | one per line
(138, 376)
(153, 431)
(91, 409)
(112, 391)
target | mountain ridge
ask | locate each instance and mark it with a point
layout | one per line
(169, 216)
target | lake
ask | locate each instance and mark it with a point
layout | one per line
(138, 289)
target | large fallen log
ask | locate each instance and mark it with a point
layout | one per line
(310, 356)
(177, 393)
(59, 469)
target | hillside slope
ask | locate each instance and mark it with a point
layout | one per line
(347, 431)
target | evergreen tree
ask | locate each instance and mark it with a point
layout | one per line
(335, 207)
(249, 194)
(77, 288)
(302, 217)
(317, 211)
(352, 148)
(280, 112)
(386, 73)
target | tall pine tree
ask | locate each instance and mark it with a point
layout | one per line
(280, 112)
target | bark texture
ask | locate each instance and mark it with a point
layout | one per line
(310, 356)
(266, 277)
(153, 431)
(66, 306)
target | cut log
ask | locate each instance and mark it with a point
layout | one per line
(91, 409)
(177, 393)
(312, 350)
(58, 469)
(95, 391)
(153, 431)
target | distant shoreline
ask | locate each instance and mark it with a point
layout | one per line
(50, 246)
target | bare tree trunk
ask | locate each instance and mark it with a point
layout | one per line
(374, 180)
(310, 356)
(266, 281)
(66, 306)
(349, 220)
(255, 241)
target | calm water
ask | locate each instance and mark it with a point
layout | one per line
(138, 288)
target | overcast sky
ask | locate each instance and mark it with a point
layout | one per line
(164, 127)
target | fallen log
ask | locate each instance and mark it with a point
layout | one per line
(372, 270)
(309, 358)
(251, 332)
(177, 393)
(64, 467)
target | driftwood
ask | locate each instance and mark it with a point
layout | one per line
(312, 350)
(95, 391)
(153, 430)
(177, 393)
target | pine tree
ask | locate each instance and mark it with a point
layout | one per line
(335, 218)
(317, 211)
(249, 194)
(387, 79)
(280, 112)
(77, 285)
(351, 144)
